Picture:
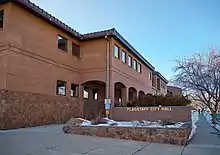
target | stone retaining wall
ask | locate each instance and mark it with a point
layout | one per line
(178, 136)
(21, 109)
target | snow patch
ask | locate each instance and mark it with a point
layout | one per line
(134, 124)
(208, 117)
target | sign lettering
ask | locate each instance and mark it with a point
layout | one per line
(149, 109)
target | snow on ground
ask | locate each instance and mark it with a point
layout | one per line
(209, 120)
(134, 124)
(195, 118)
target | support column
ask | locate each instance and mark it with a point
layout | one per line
(90, 93)
(124, 96)
(81, 100)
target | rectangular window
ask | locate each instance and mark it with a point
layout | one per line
(116, 51)
(150, 75)
(139, 67)
(135, 65)
(61, 88)
(123, 56)
(74, 90)
(76, 50)
(1, 18)
(62, 43)
(129, 61)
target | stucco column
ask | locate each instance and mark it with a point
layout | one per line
(68, 89)
(81, 99)
(124, 96)
(127, 95)
(90, 93)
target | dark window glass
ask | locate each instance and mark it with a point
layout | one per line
(76, 50)
(116, 51)
(74, 90)
(61, 88)
(62, 43)
(129, 61)
(139, 67)
(123, 56)
(135, 65)
(150, 75)
(1, 18)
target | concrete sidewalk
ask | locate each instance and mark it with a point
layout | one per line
(50, 141)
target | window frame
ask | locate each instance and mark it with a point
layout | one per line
(130, 61)
(139, 68)
(2, 21)
(66, 47)
(125, 56)
(118, 55)
(134, 64)
(57, 88)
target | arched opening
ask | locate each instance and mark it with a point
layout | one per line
(132, 94)
(141, 94)
(94, 95)
(120, 94)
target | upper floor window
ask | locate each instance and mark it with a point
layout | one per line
(116, 51)
(135, 65)
(123, 56)
(62, 43)
(1, 18)
(139, 67)
(129, 61)
(76, 50)
(61, 88)
(150, 75)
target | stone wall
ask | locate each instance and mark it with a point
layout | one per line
(178, 136)
(171, 113)
(21, 109)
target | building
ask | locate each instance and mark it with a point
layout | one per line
(40, 54)
(173, 90)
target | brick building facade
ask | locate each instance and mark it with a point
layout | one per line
(40, 54)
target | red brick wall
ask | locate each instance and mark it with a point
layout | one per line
(21, 109)
(178, 114)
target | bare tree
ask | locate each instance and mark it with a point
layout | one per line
(199, 75)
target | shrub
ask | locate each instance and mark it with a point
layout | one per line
(156, 100)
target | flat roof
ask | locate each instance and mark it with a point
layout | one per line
(161, 76)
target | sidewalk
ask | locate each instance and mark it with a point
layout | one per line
(206, 140)
(49, 140)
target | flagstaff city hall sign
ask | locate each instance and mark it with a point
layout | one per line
(149, 109)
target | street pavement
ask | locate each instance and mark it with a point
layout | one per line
(49, 140)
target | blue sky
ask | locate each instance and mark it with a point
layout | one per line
(161, 30)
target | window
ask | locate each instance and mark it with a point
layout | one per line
(135, 65)
(116, 51)
(1, 18)
(61, 88)
(95, 94)
(129, 61)
(139, 67)
(76, 50)
(150, 75)
(74, 90)
(62, 43)
(123, 56)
